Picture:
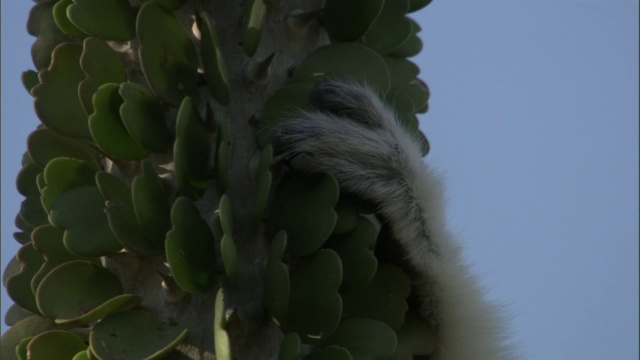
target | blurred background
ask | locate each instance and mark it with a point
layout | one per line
(533, 122)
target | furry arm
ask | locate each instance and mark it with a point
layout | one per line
(357, 138)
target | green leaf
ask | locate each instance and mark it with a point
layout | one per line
(167, 56)
(227, 246)
(45, 145)
(107, 128)
(222, 155)
(391, 29)
(32, 212)
(19, 285)
(315, 307)
(171, 5)
(63, 174)
(102, 65)
(26, 328)
(349, 210)
(191, 151)
(41, 24)
(290, 347)
(16, 314)
(215, 71)
(277, 279)
(26, 180)
(402, 71)
(134, 334)
(349, 60)
(356, 253)
(143, 117)
(303, 206)
(363, 338)
(82, 355)
(222, 341)
(383, 299)
(87, 232)
(21, 350)
(48, 240)
(415, 5)
(409, 98)
(76, 292)
(29, 80)
(348, 20)
(63, 22)
(412, 46)
(190, 248)
(121, 216)
(107, 19)
(283, 104)
(415, 338)
(329, 353)
(150, 204)
(56, 97)
(254, 20)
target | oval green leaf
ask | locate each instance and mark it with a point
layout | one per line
(45, 145)
(167, 56)
(55, 345)
(349, 60)
(107, 19)
(107, 128)
(87, 232)
(215, 71)
(102, 65)
(134, 334)
(315, 307)
(348, 20)
(150, 204)
(191, 151)
(76, 288)
(19, 285)
(56, 97)
(364, 339)
(143, 117)
(303, 206)
(190, 248)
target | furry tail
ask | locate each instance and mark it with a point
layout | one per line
(357, 138)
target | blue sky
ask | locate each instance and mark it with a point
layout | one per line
(533, 121)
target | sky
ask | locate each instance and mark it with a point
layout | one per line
(533, 122)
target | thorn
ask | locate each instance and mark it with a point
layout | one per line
(257, 72)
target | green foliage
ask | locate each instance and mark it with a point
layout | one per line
(191, 151)
(56, 97)
(254, 20)
(303, 206)
(107, 128)
(101, 65)
(167, 56)
(222, 341)
(134, 334)
(190, 248)
(136, 163)
(215, 71)
(55, 345)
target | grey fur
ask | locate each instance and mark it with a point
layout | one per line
(357, 138)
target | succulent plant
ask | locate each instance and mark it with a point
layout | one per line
(156, 222)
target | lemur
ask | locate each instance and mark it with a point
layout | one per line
(354, 136)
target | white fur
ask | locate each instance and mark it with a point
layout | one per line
(358, 139)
